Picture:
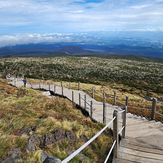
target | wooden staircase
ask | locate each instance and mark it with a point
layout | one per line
(143, 142)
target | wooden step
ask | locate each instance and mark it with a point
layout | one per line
(145, 123)
(144, 128)
(140, 153)
(143, 132)
(141, 150)
(140, 147)
(142, 159)
(145, 142)
(123, 160)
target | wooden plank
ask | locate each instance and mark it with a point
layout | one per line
(143, 128)
(146, 124)
(139, 159)
(115, 134)
(123, 160)
(140, 148)
(154, 108)
(145, 143)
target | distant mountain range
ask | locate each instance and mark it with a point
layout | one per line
(64, 49)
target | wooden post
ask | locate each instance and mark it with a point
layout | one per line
(85, 101)
(78, 85)
(79, 99)
(114, 97)
(15, 81)
(127, 104)
(92, 92)
(54, 89)
(73, 97)
(39, 85)
(115, 133)
(69, 85)
(62, 91)
(43, 81)
(104, 96)
(91, 109)
(154, 108)
(61, 83)
(124, 122)
(104, 113)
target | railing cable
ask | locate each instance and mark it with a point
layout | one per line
(86, 144)
(110, 152)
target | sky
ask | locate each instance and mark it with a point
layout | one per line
(34, 21)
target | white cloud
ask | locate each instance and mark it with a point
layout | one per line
(141, 6)
(12, 40)
(65, 16)
(78, 11)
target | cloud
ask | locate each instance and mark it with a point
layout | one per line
(49, 16)
(141, 6)
(12, 40)
(78, 11)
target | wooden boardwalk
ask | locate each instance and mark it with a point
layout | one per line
(144, 139)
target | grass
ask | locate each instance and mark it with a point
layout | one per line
(24, 107)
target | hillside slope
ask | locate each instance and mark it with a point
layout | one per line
(27, 115)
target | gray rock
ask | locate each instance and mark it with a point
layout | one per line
(14, 150)
(32, 142)
(30, 147)
(71, 136)
(85, 139)
(59, 135)
(52, 160)
(49, 139)
(11, 159)
(46, 158)
(35, 140)
(43, 156)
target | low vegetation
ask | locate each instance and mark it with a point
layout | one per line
(140, 75)
(23, 107)
(132, 76)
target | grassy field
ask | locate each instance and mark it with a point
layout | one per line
(132, 76)
(24, 107)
